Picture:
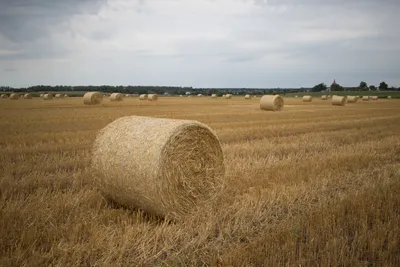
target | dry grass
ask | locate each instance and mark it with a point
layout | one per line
(313, 185)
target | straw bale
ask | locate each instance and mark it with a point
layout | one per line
(324, 97)
(247, 97)
(228, 96)
(152, 97)
(352, 99)
(307, 98)
(338, 100)
(389, 97)
(162, 166)
(365, 98)
(143, 97)
(375, 97)
(14, 96)
(271, 102)
(4, 96)
(214, 96)
(92, 98)
(47, 97)
(116, 97)
(28, 96)
(59, 96)
(199, 95)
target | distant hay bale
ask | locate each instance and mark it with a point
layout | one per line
(59, 96)
(365, 98)
(389, 96)
(127, 95)
(165, 167)
(41, 95)
(116, 97)
(4, 96)
(375, 97)
(338, 100)
(247, 97)
(92, 98)
(228, 96)
(271, 102)
(28, 96)
(199, 95)
(296, 96)
(307, 98)
(324, 97)
(66, 95)
(143, 97)
(214, 96)
(47, 97)
(352, 99)
(152, 97)
(14, 96)
(180, 95)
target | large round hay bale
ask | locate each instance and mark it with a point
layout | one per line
(214, 96)
(228, 96)
(41, 95)
(143, 97)
(4, 96)
(324, 97)
(14, 96)
(59, 96)
(247, 97)
(152, 97)
(338, 100)
(92, 98)
(389, 96)
(66, 95)
(375, 97)
(271, 102)
(365, 98)
(307, 98)
(116, 97)
(47, 97)
(200, 95)
(28, 96)
(162, 166)
(352, 99)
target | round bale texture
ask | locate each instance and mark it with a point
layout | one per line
(271, 102)
(307, 98)
(162, 166)
(14, 96)
(228, 96)
(214, 96)
(59, 96)
(92, 98)
(375, 97)
(152, 97)
(365, 98)
(28, 96)
(116, 97)
(47, 97)
(247, 97)
(324, 97)
(352, 99)
(143, 97)
(338, 100)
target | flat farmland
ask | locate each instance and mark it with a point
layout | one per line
(312, 185)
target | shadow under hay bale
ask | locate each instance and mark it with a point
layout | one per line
(164, 167)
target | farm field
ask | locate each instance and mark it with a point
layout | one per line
(313, 185)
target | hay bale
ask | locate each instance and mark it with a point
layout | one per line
(180, 95)
(307, 98)
(271, 102)
(66, 95)
(228, 96)
(28, 96)
(200, 95)
(14, 96)
(92, 98)
(59, 96)
(214, 96)
(127, 95)
(41, 95)
(162, 166)
(389, 96)
(338, 100)
(365, 98)
(4, 96)
(247, 97)
(375, 97)
(143, 97)
(47, 97)
(152, 97)
(324, 97)
(352, 99)
(116, 97)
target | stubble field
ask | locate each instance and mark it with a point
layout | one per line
(313, 185)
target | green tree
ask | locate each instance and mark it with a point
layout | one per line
(336, 87)
(363, 85)
(383, 86)
(319, 87)
(372, 87)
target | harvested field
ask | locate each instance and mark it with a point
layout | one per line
(312, 185)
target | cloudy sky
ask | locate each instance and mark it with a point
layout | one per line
(199, 43)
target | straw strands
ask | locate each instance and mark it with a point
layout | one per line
(92, 98)
(307, 98)
(152, 97)
(116, 97)
(271, 102)
(143, 97)
(165, 167)
(338, 100)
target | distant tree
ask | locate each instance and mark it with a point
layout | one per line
(336, 87)
(372, 87)
(363, 85)
(383, 86)
(319, 87)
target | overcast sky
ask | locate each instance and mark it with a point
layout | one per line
(199, 43)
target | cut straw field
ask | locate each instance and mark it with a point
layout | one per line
(312, 185)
